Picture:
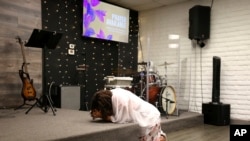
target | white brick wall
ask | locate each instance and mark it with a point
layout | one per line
(229, 39)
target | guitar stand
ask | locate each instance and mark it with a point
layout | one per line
(37, 103)
(24, 103)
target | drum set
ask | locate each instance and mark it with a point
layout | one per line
(152, 87)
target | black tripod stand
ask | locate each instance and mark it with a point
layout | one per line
(45, 40)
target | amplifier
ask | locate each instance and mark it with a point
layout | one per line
(216, 113)
(67, 97)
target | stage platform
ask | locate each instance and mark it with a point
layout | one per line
(74, 125)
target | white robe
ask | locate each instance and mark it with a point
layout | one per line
(128, 107)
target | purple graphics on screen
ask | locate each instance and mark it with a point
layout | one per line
(105, 21)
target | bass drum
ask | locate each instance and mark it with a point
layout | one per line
(167, 100)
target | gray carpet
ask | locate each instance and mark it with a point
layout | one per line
(74, 125)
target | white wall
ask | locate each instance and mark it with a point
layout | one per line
(229, 39)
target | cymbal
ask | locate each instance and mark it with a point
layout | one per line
(165, 63)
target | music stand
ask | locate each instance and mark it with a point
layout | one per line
(44, 39)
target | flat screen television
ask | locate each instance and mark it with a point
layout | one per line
(105, 21)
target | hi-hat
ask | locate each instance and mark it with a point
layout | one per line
(165, 63)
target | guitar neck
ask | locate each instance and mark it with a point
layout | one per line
(24, 61)
(24, 67)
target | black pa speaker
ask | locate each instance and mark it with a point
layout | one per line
(216, 114)
(199, 22)
(216, 79)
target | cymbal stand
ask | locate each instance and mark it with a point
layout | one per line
(165, 67)
(141, 85)
(169, 101)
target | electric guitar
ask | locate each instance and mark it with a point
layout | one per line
(28, 90)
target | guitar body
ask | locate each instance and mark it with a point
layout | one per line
(28, 90)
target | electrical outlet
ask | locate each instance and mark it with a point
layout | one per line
(72, 46)
(71, 51)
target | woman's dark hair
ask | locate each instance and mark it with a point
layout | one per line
(102, 100)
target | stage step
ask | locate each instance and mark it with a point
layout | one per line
(75, 125)
(130, 132)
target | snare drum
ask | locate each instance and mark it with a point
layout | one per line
(167, 100)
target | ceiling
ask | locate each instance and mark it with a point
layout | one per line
(141, 5)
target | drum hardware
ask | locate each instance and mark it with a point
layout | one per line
(168, 100)
(145, 65)
(163, 97)
(165, 64)
(163, 80)
(141, 85)
(160, 94)
(170, 96)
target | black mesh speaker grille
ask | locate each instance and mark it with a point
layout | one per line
(216, 79)
(199, 22)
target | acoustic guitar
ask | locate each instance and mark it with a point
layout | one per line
(28, 90)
